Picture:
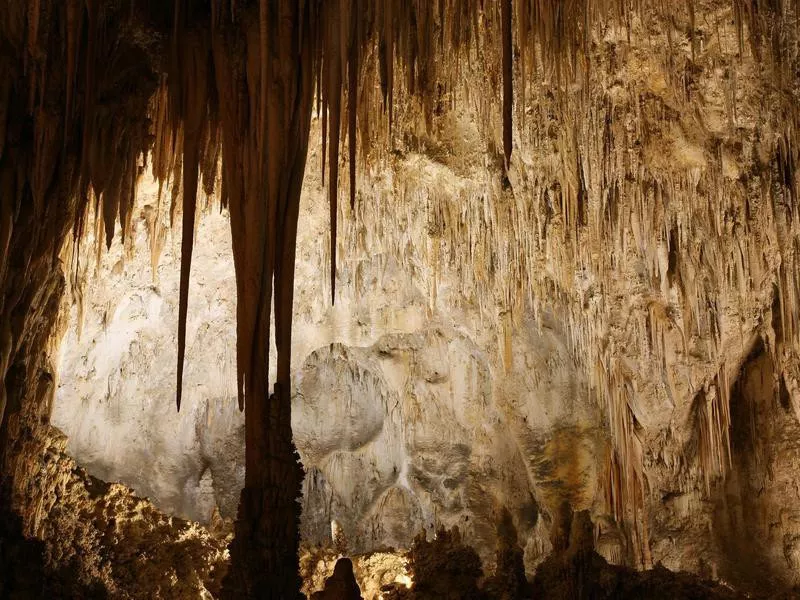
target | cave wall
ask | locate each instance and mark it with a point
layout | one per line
(403, 416)
(42, 123)
(611, 282)
(756, 519)
(647, 216)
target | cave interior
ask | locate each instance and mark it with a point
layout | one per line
(399, 299)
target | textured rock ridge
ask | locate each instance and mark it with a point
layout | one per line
(91, 539)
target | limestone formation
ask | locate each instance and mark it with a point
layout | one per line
(565, 279)
(341, 585)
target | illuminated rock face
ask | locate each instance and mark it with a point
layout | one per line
(404, 418)
(590, 335)
(612, 323)
(116, 398)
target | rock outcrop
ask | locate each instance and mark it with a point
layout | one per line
(91, 539)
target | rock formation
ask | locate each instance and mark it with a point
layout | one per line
(341, 585)
(90, 539)
(596, 199)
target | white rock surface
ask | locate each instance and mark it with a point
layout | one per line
(404, 416)
(117, 380)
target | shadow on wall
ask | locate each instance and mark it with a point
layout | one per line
(757, 515)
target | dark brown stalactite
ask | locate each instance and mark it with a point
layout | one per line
(508, 85)
(333, 63)
(324, 154)
(110, 201)
(193, 68)
(264, 199)
(387, 62)
(288, 214)
(230, 83)
(352, 94)
(127, 198)
(89, 92)
(74, 12)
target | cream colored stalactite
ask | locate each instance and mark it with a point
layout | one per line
(651, 215)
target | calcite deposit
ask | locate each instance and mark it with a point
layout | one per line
(563, 281)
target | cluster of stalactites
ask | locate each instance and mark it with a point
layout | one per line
(364, 44)
(363, 55)
(86, 87)
(435, 47)
(643, 259)
(217, 93)
(239, 86)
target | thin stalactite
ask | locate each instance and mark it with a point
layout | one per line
(508, 77)
(193, 67)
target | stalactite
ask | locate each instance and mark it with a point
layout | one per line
(72, 26)
(333, 69)
(352, 95)
(506, 328)
(193, 68)
(246, 94)
(714, 421)
(508, 86)
(386, 58)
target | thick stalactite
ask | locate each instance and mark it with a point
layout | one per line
(273, 144)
